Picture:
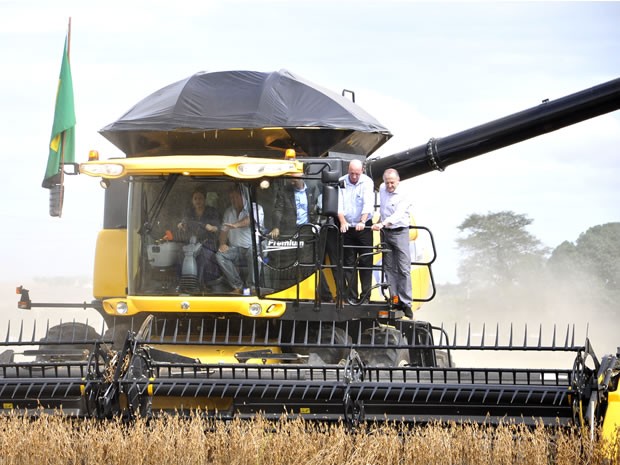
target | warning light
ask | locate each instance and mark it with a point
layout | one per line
(93, 155)
(290, 154)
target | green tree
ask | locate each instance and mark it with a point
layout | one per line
(498, 250)
(595, 254)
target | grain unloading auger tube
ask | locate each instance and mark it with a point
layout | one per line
(146, 376)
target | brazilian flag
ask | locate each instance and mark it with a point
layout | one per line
(62, 140)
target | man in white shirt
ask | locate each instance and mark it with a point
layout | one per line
(395, 210)
(355, 206)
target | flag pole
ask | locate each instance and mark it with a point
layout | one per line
(62, 150)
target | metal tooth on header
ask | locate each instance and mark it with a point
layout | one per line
(441, 334)
(202, 328)
(163, 331)
(454, 338)
(227, 338)
(189, 329)
(176, 331)
(240, 335)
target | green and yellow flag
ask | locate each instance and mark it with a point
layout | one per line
(62, 141)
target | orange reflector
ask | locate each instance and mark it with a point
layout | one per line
(384, 314)
(93, 155)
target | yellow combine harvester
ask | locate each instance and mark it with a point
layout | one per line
(284, 334)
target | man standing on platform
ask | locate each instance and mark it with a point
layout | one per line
(395, 210)
(355, 206)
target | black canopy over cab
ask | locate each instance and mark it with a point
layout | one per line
(245, 113)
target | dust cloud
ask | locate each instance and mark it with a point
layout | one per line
(538, 312)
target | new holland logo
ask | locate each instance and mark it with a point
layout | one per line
(288, 244)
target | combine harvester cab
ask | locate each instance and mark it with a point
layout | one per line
(180, 333)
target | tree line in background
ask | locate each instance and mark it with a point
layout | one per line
(506, 268)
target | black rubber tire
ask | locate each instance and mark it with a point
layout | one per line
(327, 355)
(77, 339)
(383, 356)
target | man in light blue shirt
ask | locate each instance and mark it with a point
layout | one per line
(295, 205)
(294, 213)
(355, 206)
(301, 202)
(395, 213)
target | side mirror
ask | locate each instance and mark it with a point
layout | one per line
(330, 200)
(330, 192)
(330, 176)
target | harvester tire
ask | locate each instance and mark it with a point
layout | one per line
(117, 334)
(327, 355)
(78, 339)
(390, 347)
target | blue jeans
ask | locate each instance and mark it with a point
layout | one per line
(231, 260)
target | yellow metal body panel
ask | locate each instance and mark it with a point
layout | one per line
(214, 354)
(306, 290)
(193, 304)
(192, 165)
(110, 273)
(611, 424)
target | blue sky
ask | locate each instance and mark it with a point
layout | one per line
(422, 69)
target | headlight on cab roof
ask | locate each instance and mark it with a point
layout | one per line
(265, 169)
(102, 169)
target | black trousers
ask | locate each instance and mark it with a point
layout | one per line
(356, 244)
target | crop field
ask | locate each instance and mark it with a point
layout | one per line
(54, 439)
